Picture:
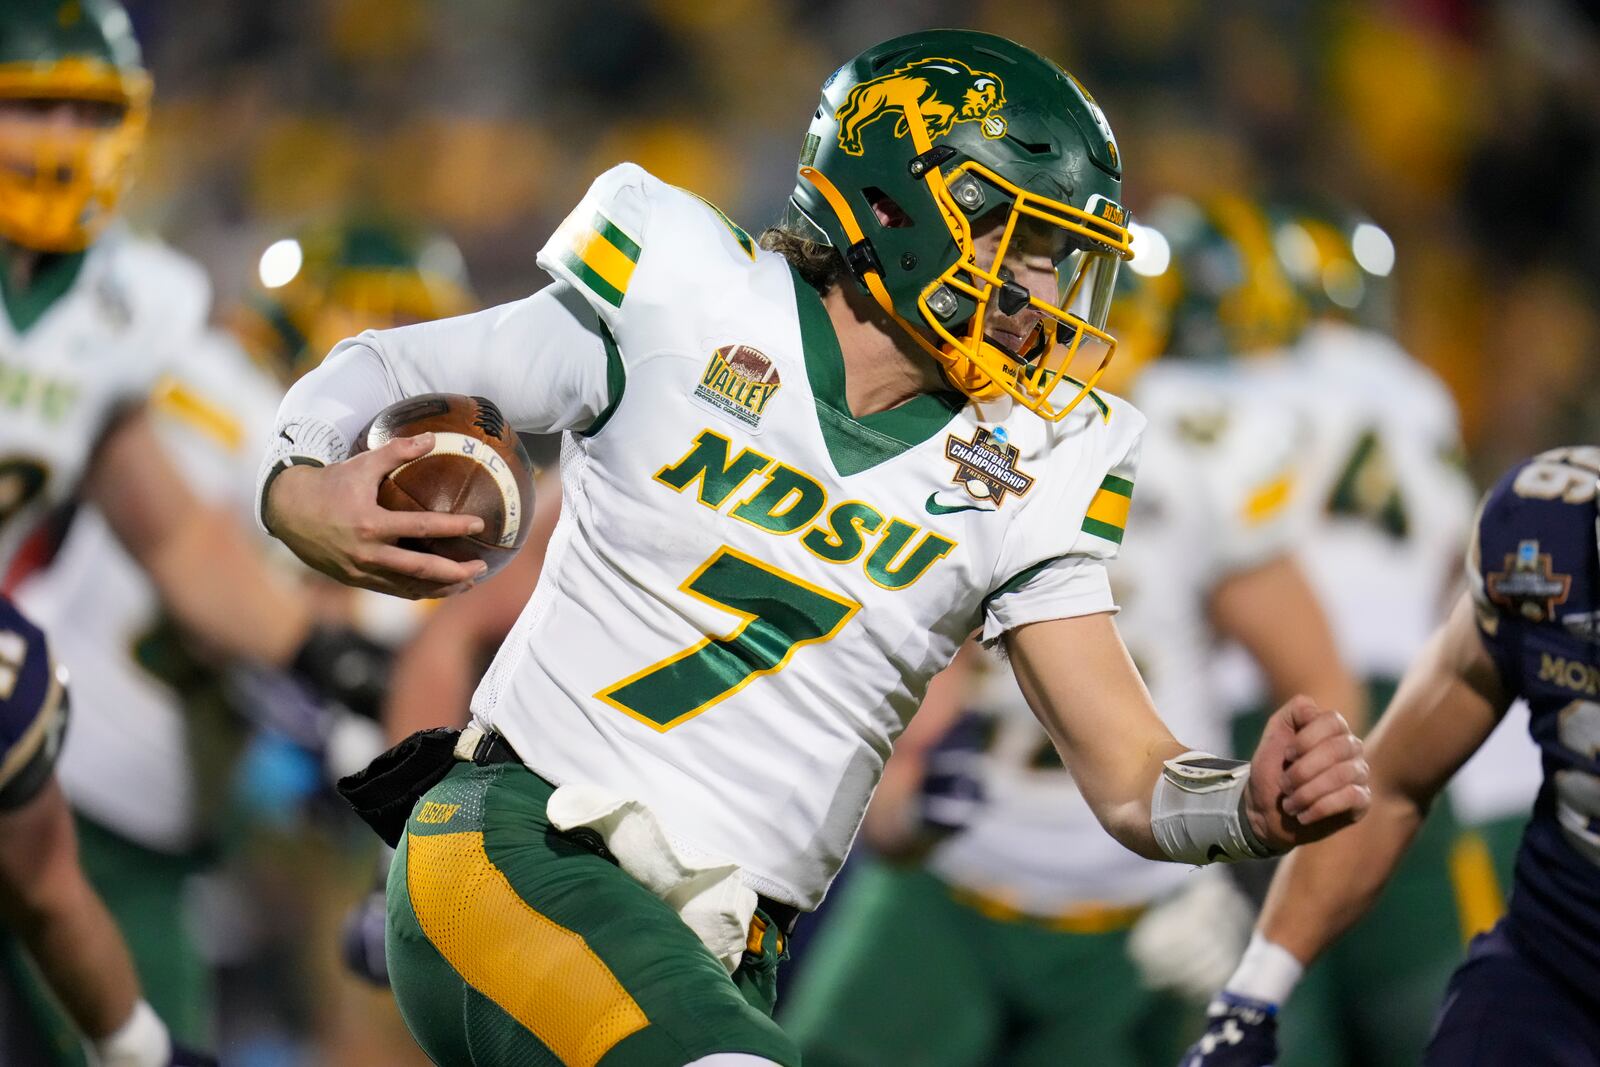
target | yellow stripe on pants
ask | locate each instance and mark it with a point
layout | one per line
(540, 973)
(1479, 901)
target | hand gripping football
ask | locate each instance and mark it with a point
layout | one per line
(477, 467)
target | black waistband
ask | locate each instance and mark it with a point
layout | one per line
(493, 748)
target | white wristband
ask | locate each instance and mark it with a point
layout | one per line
(142, 1041)
(1268, 972)
(1197, 811)
(297, 441)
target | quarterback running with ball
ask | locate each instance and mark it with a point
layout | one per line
(795, 478)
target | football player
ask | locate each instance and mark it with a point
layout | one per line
(1386, 509)
(1027, 932)
(92, 313)
(1526, 994)
(131, 774)
(794, 482)
(1343, 264)
(44, 897)
(92, 318)
(329, 280)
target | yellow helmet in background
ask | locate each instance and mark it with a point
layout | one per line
(1221, 291)
(1340, 261)
(61, 180)
(333, 281)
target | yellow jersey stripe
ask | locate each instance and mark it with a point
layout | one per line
(171, 397)
(604, 258)
(1109, 507)
(540, 973)
(1268, 500)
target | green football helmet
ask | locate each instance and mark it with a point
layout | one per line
(60, 182)
(917, 138)
(330, 282)
(1226, 292)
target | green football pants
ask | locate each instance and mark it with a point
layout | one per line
(511, 945)
(905, 973)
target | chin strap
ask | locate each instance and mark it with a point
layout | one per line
(965, 375)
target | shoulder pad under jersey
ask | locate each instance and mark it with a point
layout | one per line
(165, 295)
(1533, 555)
(31, 693)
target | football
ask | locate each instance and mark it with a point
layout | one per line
(477, 467)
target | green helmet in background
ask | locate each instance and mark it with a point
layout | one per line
(330, 282)
(1226, 291)
(60, 184)
(919, 137)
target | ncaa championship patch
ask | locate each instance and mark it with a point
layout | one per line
(986, 466)
(739, 382)
(1529, 585)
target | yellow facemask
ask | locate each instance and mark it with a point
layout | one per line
(60, 182)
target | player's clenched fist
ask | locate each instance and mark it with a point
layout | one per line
(330, 518)
(1308, 777)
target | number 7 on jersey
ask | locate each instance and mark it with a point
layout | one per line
(780, 613)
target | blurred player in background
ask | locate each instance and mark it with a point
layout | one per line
(146, 770)
(1383, 510)
(92, 315)
(151, 763)
(1529, 993)
(1028, 935)
(1382, 535)
(94, 318)
(45, 900)
(725, 770)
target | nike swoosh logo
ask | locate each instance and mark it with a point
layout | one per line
(936, 508)
(285, 435)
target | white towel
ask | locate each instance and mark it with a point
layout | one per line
(710, 898)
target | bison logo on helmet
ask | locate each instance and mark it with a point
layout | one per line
(942, 91)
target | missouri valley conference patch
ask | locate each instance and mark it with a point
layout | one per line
(739, 382)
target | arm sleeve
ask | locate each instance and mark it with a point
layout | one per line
(547, 361)
(551, 362)
(1073, 581)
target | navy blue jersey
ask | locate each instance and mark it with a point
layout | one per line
(32, 708)
(1536, 572)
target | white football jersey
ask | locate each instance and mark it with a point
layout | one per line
(749, 589)
(130, 306)
(1216, 483)
(127, 765)
(1387, 505)
(1387, 511)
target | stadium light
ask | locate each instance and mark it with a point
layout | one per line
(280, 263)
(1152, 255)
(1373, 249)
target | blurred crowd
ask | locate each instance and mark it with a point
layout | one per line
(1468, 130)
